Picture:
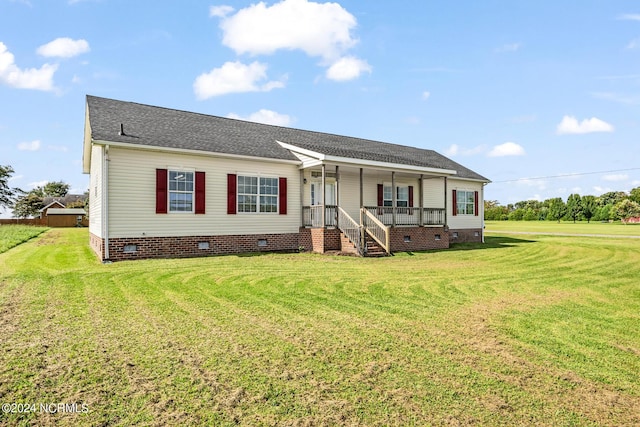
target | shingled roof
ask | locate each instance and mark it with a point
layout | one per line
(167, 128)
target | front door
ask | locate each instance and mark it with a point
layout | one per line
(316, 193)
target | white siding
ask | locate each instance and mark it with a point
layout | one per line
(463, 221)
(132, 182)
(433, 190)
(95, 191)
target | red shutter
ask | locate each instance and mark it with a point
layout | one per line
(282, 192)
(411, 199)
(231, 193)
(455, 203)
(200, 193)
(380, 195)
(161, 191)
(475, 201)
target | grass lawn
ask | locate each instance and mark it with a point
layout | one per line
(523, 330)
(564, 227)
(13, 235)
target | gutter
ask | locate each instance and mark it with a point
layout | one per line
(105, 202)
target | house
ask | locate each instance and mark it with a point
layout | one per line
(170, 183)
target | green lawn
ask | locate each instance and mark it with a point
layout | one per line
(566, 227)
(524, 330)
(13, 235)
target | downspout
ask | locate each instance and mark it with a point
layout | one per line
(482, 208)
(105, 201)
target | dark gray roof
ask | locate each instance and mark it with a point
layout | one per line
(164, 127)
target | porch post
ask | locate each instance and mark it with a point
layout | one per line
(301, 198)
(324, 197)
(361, 190)
(445, 202)
(421, 198)
(337, 194)
(393, 198)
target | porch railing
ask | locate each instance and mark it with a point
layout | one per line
(312, 216)
(407, 216)
(351, 229)
(375, 228)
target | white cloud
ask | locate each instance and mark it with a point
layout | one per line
(347, 68)
(63, 47)
(31, 78)
(635, 183)
(234, 77)
(29, 146)
(506, 149)
(455, 150)
(629, 17)
(633, 44)
(220, 11)
(615, 177)
(510, 47)
(426, 95)
(15, 178)
(601, 190)
(570, 125)
(318, 29)
(267, 117)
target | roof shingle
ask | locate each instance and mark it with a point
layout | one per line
(163, 127)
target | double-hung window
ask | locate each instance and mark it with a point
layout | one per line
(257, 194)
(465, 202)
(181, 191)
(402, 196)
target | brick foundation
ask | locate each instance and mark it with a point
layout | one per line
(194, 246)
(466, 236)
(318, 240)
(403, 239)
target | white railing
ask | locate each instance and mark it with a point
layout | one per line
(351, 229)
(312, 216)
(407, 216)
(375, 228)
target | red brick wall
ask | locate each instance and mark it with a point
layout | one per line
(347, 245)
(320, 240)
(419, 238)
(97, 245)
(466, 236)
(187, 246)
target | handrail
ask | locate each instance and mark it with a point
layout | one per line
(350, 228)
(376, 229)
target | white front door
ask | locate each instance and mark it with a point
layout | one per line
(316, 193)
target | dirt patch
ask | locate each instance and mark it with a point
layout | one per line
(49, 238)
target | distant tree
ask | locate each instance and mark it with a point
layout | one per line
(557, 209)
(589, 207)
(27, 206)
(516, 215)
(634, 195)
(8, 194)
(603, 213)
(52, 189)
(626, 209)
(531, 214)
(611, 198)
(574, 206)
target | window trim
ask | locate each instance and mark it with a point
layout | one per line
(192, 192)
(258, 195)
(466, 203)
(387, 185)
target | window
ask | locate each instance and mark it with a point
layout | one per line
(257, 194)
(402, 196)
(180, 191)
(465, 202)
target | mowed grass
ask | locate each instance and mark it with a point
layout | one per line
(519, 331)
(565, 227)
(13, 235)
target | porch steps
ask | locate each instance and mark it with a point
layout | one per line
(373, 249)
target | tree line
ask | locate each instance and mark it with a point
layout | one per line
(611, 206)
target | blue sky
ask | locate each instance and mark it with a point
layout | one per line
(511, 89)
